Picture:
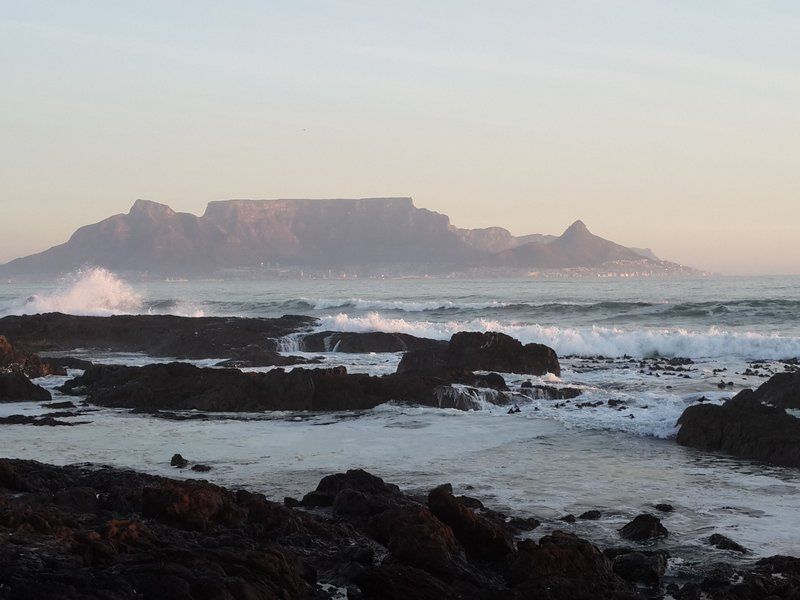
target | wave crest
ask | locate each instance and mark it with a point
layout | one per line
(96, 291)
(592, 341)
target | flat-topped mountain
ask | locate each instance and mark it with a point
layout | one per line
(370, 234)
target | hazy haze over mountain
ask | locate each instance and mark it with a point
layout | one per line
(367, 234)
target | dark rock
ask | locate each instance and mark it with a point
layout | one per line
(253, 356)
(77, 499)
(155, 335)
(563, 567)
(551, 392)
(356, 480)
(590, 515)
(54, 405)
(667, 508)
(100, 533)
(523, 524)
(364, 342)
(481, 538)
(201, 468)
(781, 390)
(62, 414)
(640, 567)
(182, 386)
(744, 426)
(644, 527)
(776, 577)
(13, 360)
(178, 461)
(466, 398)
(418, 539)
(470, 502)
(16, 387)
(490, 351)
(725, 543)
(570, 518)
(67, 362)
(398, 582)
(40, 421)
(106, 534)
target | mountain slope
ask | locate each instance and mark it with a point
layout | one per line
(375, 234)
(576, 247)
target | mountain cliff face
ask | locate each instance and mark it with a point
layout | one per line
(371, 233)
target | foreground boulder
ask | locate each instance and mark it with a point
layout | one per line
(473, 351)
(182, 386)
(752, 424)
(108, 534)
(481, 537)
(98, 533)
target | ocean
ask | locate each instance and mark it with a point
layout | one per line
(550, 459)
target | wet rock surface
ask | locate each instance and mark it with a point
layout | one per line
(46, 420)
(363, 342)
(155, 335)
(14, 360)
(489, 351)
(101, 533)
(182, 386)
(16, 370)
(752, 424)
(644, 527)
(16, 387)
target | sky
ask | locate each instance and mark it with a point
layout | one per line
(672, 124)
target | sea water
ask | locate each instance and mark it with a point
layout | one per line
(549, 459)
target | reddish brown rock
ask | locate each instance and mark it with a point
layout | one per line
(481, 537)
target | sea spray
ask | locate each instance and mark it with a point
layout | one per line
(96, 291)
(591, 341)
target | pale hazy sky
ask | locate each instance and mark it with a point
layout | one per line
(671, 124)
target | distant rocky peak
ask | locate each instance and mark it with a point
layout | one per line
(577, 228)
(149, 209)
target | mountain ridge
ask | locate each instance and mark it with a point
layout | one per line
(342, 233)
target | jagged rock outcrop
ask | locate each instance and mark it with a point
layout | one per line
(99, 533)
(156, 335)
(474, 351)
(30, 365)
(15, 387)
(752, 424)
(182, 386)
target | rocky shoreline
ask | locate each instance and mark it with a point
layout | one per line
(89, 532)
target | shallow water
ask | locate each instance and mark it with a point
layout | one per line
(550, 459)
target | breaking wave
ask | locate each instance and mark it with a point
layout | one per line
(592, 341)
(96, 292)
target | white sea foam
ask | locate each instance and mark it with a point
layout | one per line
(94, 291)
(401, 305)
(590, 341)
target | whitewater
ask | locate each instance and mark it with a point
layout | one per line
(549, 459)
